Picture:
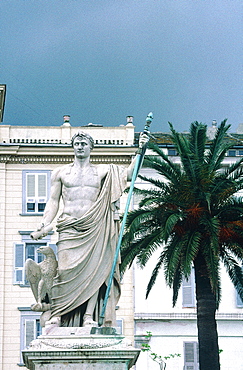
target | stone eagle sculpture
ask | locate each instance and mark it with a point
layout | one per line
(40, 276)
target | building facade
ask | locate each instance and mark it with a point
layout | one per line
(27, 157)
(173, 331)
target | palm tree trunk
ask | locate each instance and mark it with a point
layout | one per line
(206, 322)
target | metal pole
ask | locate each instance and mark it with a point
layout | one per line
(138, 164)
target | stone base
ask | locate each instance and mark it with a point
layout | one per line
(75, 349)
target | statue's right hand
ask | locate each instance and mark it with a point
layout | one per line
(41, 231)
(35, 235)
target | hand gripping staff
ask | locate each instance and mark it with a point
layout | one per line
(138, 164)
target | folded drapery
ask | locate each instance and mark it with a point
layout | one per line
(86, 249)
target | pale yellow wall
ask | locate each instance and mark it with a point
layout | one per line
(14, 296)
(2, 249)
(126, 305)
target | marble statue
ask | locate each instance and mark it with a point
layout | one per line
(88, 231)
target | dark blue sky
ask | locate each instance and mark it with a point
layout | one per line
(101, 60)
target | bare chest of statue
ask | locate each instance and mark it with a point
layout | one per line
(80, 189)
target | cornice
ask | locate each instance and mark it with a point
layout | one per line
(184, 316)
(64, 154)
(25, 159)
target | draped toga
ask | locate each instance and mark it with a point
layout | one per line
(89, 245)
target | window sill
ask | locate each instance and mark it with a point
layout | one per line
(22, 285)
(29, 232)
(32, 214)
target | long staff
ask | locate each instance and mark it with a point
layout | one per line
(137, 166)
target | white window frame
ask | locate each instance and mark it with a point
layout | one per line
(191, 360)
(188, 291)
(28, 318)
(35, 198)
(19, 277)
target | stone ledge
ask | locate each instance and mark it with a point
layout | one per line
(72, 348)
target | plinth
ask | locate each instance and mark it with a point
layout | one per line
(77, 349)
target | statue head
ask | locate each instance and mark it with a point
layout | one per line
(84, 135)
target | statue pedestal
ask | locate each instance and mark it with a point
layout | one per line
(76, 349)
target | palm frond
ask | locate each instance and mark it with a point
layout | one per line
(198, 139)
(232, 207)
(176, 285)
(151, 196)
(192, 244)
(170, 222)
(136, 218)
(170, 172)
(157, 183)
(139, 247)
(148, 247)
(182, 145)
(235, 168)
(235, 272)
(218, 148)
(161, 155)
(221, 189)
(173, 253)
(212, 263)
(224, 186)
(211, 227)
(155, 273)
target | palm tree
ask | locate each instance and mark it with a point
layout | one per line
(192, 215)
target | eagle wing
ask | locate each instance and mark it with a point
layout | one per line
(33, 274)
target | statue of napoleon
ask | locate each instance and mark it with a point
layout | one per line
(88, 232)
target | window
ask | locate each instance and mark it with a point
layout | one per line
(188, 291)
(30, 328)
(239, 302)
(36, 185)
(191, 358)
(231, 153)
(119, 326)
(172, 152)
(24, 250)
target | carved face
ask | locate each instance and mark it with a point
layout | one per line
(81, 147)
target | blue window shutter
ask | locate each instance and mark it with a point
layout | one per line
(30, 189)
(42, 185)
(188, 290)
(191, 360)
(19, 260)
(239, 302)
(30, 331)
